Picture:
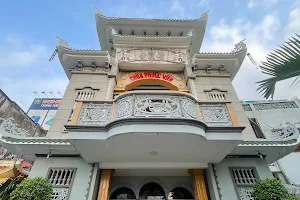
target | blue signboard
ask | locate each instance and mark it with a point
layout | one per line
(45, 104)
(43, 110)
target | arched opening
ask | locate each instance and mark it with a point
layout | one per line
(123, 193)
(151, 189)
(151, 82)
(180, 193)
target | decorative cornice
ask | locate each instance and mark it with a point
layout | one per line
(34, 140)
(187, 36)
(204, 16)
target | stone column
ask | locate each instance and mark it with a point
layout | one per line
(199, 184)
(105, 184)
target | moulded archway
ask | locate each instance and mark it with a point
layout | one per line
(151, 189)
(123, 193)
(150, 81)
(180, 193)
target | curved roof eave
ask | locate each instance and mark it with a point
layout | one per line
(199, 24)
(63, 48)
(204, 16)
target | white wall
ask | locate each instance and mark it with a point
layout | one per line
(223, 174)
(273, 118)
(290, 166)
(83, 174)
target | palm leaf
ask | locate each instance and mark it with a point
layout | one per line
(283, 63)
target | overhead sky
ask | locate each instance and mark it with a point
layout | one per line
(29, 29)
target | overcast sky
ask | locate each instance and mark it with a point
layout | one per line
(28, 30)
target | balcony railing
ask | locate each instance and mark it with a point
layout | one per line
(154, 105)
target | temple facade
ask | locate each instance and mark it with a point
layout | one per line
(149, 117)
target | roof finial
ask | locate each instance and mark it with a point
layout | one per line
(61, 42)
(240, 46)
(98, 11)
(204, 15)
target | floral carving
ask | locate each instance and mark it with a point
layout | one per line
(215, 114)
(124, 107)
(94, 114)
(152, 55)
(156, 105)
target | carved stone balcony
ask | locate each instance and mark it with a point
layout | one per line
(176, 105)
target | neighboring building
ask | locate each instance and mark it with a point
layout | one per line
(15, 122)
(149, 117)
(275, 120)
(43, 110)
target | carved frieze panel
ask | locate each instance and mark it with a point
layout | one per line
(158, 105)
(277, 105)
(152, 55)
(215, 114)
(247, 107)
(288, 130)
(94, 114)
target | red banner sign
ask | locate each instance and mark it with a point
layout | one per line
(158, 75)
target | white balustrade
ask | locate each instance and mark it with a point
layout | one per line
(86, 94)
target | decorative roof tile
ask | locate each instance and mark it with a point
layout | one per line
(202, 17)
(62, 44)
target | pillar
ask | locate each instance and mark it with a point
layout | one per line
(199, 184)
(104, 185)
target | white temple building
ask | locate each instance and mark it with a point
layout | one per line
(149, 117)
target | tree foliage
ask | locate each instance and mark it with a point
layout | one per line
(271, 189)
(283, 63)
(33, 189)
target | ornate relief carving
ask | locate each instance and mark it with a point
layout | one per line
(166, 105)
(156, 105)
(60, 193)
(152, 55)
(9, 126)
(245, 193)
(94, 114)
(124, 107)
(288, 130)
(278, 105)
(215, 114)
(188, 108)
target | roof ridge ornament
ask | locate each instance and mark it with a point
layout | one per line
(62, 43)
(240, 46)
(204, 15)
(98, 12)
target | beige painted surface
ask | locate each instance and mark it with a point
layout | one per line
(207, 83)
(77, 82)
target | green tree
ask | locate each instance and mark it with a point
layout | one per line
(33, 189)
(282, 64)
(271, 189)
